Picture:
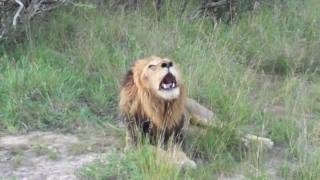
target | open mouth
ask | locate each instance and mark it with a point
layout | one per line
(168, 82)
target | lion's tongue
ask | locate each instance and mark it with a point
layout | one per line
(169, 78)
(168, 82)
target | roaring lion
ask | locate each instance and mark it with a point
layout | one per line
(153, 104)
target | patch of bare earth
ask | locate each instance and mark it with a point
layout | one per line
(48, 155)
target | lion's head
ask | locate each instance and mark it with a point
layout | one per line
(153, 88)
(161, 76)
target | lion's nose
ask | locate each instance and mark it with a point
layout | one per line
(166, 64)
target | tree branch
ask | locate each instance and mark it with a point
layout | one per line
(21, 6)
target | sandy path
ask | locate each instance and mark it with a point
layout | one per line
(44, 155)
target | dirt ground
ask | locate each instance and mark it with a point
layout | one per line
(47, 155)
(52, 156)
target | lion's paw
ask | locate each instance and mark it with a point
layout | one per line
(187, 164)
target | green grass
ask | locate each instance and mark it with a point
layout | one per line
(138, 164)
(260, 75)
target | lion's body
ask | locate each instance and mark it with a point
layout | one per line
(142, 108)
(153, 102)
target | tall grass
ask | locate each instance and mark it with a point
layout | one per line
(260, 75)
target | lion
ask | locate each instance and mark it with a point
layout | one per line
(152, 102)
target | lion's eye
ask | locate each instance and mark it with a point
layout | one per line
(151, 66)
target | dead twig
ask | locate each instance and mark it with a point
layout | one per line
(14, 14)
(21, 6)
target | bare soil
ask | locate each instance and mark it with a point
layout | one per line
(52, 156)
(48, 155)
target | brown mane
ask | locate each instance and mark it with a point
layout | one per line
(136, 100)
(152, 107)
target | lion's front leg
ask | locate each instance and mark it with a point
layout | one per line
(175, 149)
(131, 132)
(130, 141)
(175, 156)
(180, 157)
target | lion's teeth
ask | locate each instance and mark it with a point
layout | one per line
(168, 86)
